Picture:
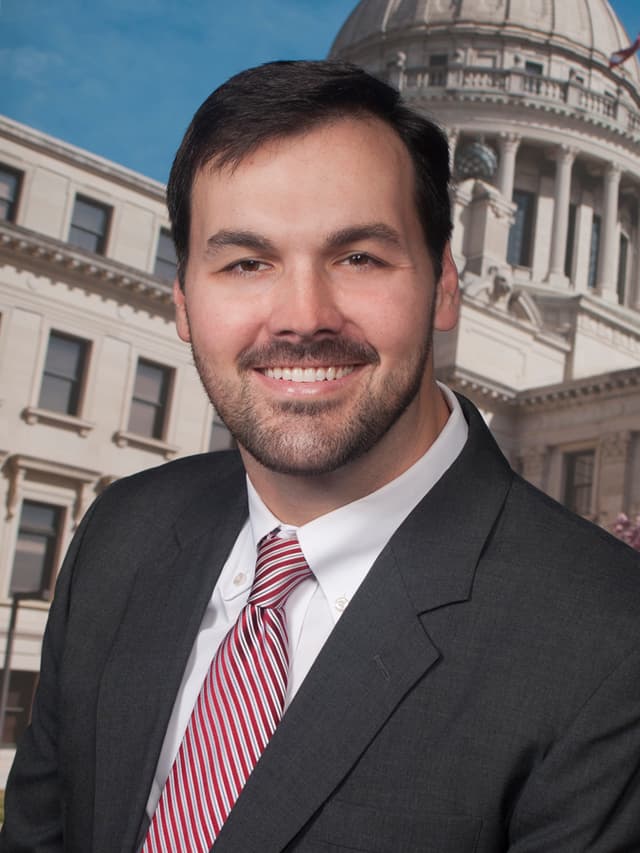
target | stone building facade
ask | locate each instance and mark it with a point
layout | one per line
(95, 383)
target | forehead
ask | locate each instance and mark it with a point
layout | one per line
(354, 156)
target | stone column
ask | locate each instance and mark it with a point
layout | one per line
(562, 195)
(452, 138)
(508, 144)
(606, 285)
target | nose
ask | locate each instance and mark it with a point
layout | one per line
(303, 305)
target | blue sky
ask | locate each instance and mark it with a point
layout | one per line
(122, 78)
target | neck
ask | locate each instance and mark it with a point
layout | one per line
(297, 499)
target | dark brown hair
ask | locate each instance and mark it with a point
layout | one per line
(282, 99)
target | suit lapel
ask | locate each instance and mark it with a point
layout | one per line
(172, 588)
(376, 653)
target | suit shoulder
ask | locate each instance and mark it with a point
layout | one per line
(569, 558)
(169, 488)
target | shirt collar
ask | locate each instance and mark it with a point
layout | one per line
(341, 545)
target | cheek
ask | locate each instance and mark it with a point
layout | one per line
(222, 331)
(397, 321)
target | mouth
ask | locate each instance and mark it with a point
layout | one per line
(308, 374)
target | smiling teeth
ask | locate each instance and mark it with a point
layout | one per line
(307, 374)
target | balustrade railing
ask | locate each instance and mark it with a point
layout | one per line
(499, 81)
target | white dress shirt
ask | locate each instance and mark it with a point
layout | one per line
(340, 548)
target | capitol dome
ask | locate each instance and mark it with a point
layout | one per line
(590, 28)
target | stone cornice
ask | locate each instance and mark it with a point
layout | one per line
(29, 249)
(547, 396)
(580, 389)
(46, 144)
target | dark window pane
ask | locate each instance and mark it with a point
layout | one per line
(35, 552)
(89, 224)
(149, 400)
(521, 232)
(622, 267)
(571, 239)
(149, 382)
(22, 687)
(89, 216)
(579, 481)
(166, 264)
(9, 189)
(142, 419)
(594, 250)
(63, 374)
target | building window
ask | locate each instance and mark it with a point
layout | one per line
(532, 82)
(10, 183)
(166, 263)
(578, 480)
(594, 251)
(149, 401)
(622, 267)
(22, 686)
(63, 376)
(89, 225)
(571, 241)
(438, 69)
(521, 232)
(35, 556)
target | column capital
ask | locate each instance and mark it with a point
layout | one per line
(566, 153)
(613, 172)
(508, 140)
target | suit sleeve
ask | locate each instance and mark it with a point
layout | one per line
(34, 804)
(585, 794)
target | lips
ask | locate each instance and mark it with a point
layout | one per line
(308, 374)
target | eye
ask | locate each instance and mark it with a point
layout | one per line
(361, 260)
(247, 266)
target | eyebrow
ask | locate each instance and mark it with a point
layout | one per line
(336, 240)
(245, 239)
(369, 231)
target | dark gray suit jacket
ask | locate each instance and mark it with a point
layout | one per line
(480, 693)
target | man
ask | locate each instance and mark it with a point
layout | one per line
(455, 665)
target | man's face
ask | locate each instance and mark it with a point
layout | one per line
(309, 298)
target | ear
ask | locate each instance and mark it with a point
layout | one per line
(182, 321)
(447, 294)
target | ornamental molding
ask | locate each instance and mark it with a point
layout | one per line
(602, 329)
(53, 147)
(25, 248)
(20, 466)
(580, 390)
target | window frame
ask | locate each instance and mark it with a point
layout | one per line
(161, 416)
(53, 539)
(102, 237)
(160, 259)
(78, 382)
(570, 496)
(595, 243)
(624, 244)
(527, 240)
(12, 204)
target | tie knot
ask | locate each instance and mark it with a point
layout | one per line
(280, 567)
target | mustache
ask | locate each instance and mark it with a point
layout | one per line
(326, 351)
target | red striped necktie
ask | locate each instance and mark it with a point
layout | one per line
(238, 708)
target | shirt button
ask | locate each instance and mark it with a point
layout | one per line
(239, 579)
(341, 603)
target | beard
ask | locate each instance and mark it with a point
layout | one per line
(312, 437)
